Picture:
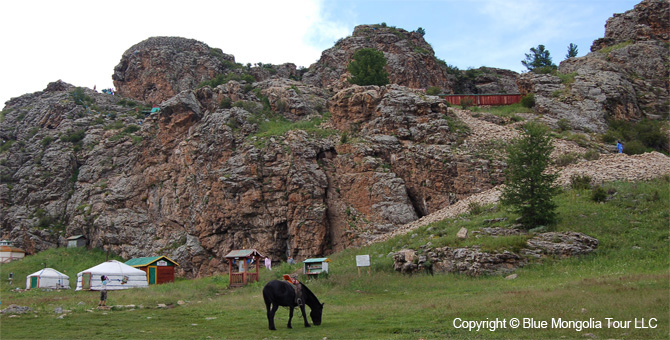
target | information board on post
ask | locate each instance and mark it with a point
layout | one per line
(363, 261)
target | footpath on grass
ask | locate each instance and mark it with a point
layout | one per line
(608, 168)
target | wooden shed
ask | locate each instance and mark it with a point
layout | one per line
(76, 241)
(159, 269)
(239, 263)
(314, 267)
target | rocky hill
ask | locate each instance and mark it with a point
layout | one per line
(411, 62)
(626, 75)
(260, 159)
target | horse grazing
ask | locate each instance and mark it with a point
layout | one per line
(282, 293)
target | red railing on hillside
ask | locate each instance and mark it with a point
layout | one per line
(483, 99)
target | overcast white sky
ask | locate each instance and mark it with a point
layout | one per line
(80, 42)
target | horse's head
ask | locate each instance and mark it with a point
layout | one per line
(315, 314)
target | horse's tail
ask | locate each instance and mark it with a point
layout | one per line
(266, 296)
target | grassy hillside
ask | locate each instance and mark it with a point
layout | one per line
(628, 277)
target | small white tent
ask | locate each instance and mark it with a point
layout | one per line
(121, 276)
(48, 278)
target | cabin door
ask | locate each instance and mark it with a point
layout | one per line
(34, 281)
(86, 281)
(152, 275)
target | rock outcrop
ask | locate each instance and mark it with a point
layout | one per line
(199, 178)
(474, 262)
(624, 77)
(160, 67)
(410, 60)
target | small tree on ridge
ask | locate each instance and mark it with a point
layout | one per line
(367, 68)
(572, 51)
(538, 60)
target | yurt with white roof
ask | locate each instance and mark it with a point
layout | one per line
(121, 276)
(48, 278)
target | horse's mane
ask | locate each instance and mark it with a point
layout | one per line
(309, 296)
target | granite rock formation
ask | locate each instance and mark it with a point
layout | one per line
(410, 60)
(474, 262)
(624, 77)
(160, 67)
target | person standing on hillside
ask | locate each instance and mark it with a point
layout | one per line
(619, 146)
(103, 291)
(268, 263)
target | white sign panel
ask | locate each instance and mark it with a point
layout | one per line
(161, 263)
(363, 260)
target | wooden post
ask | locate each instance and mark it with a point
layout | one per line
(257, 269)
(244, 275)
(230, 272)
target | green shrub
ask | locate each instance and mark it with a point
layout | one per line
(563, 124)
(46, 141)
(475, 208)
(634, 147)
(599, 194)
(127, 103)
(131, 129)
(281, 106)
(578, 182)
(433, 90)
(467, 102)
(115, 125)
(528, 100)
(344, 139)
(80, 97)
(566, 159)
(247, 87)
(591, 155)
(225, 78)
(73, 136)
(6, 145)
(226, 103)
(638, 137)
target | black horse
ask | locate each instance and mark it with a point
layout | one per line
(281, 293)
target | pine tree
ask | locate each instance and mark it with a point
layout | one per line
(367, 68)
(538, 60)
(572, 51)
(529, 190)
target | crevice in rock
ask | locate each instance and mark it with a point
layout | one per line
(418, 203)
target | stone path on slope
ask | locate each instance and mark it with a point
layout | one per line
(609, 167)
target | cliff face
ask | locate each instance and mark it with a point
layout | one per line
(197, 180)
(626, 75)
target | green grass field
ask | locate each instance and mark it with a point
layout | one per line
(627, 278)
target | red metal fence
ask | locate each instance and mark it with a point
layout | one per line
(483, 99)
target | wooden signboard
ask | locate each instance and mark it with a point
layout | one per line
(363, 261)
